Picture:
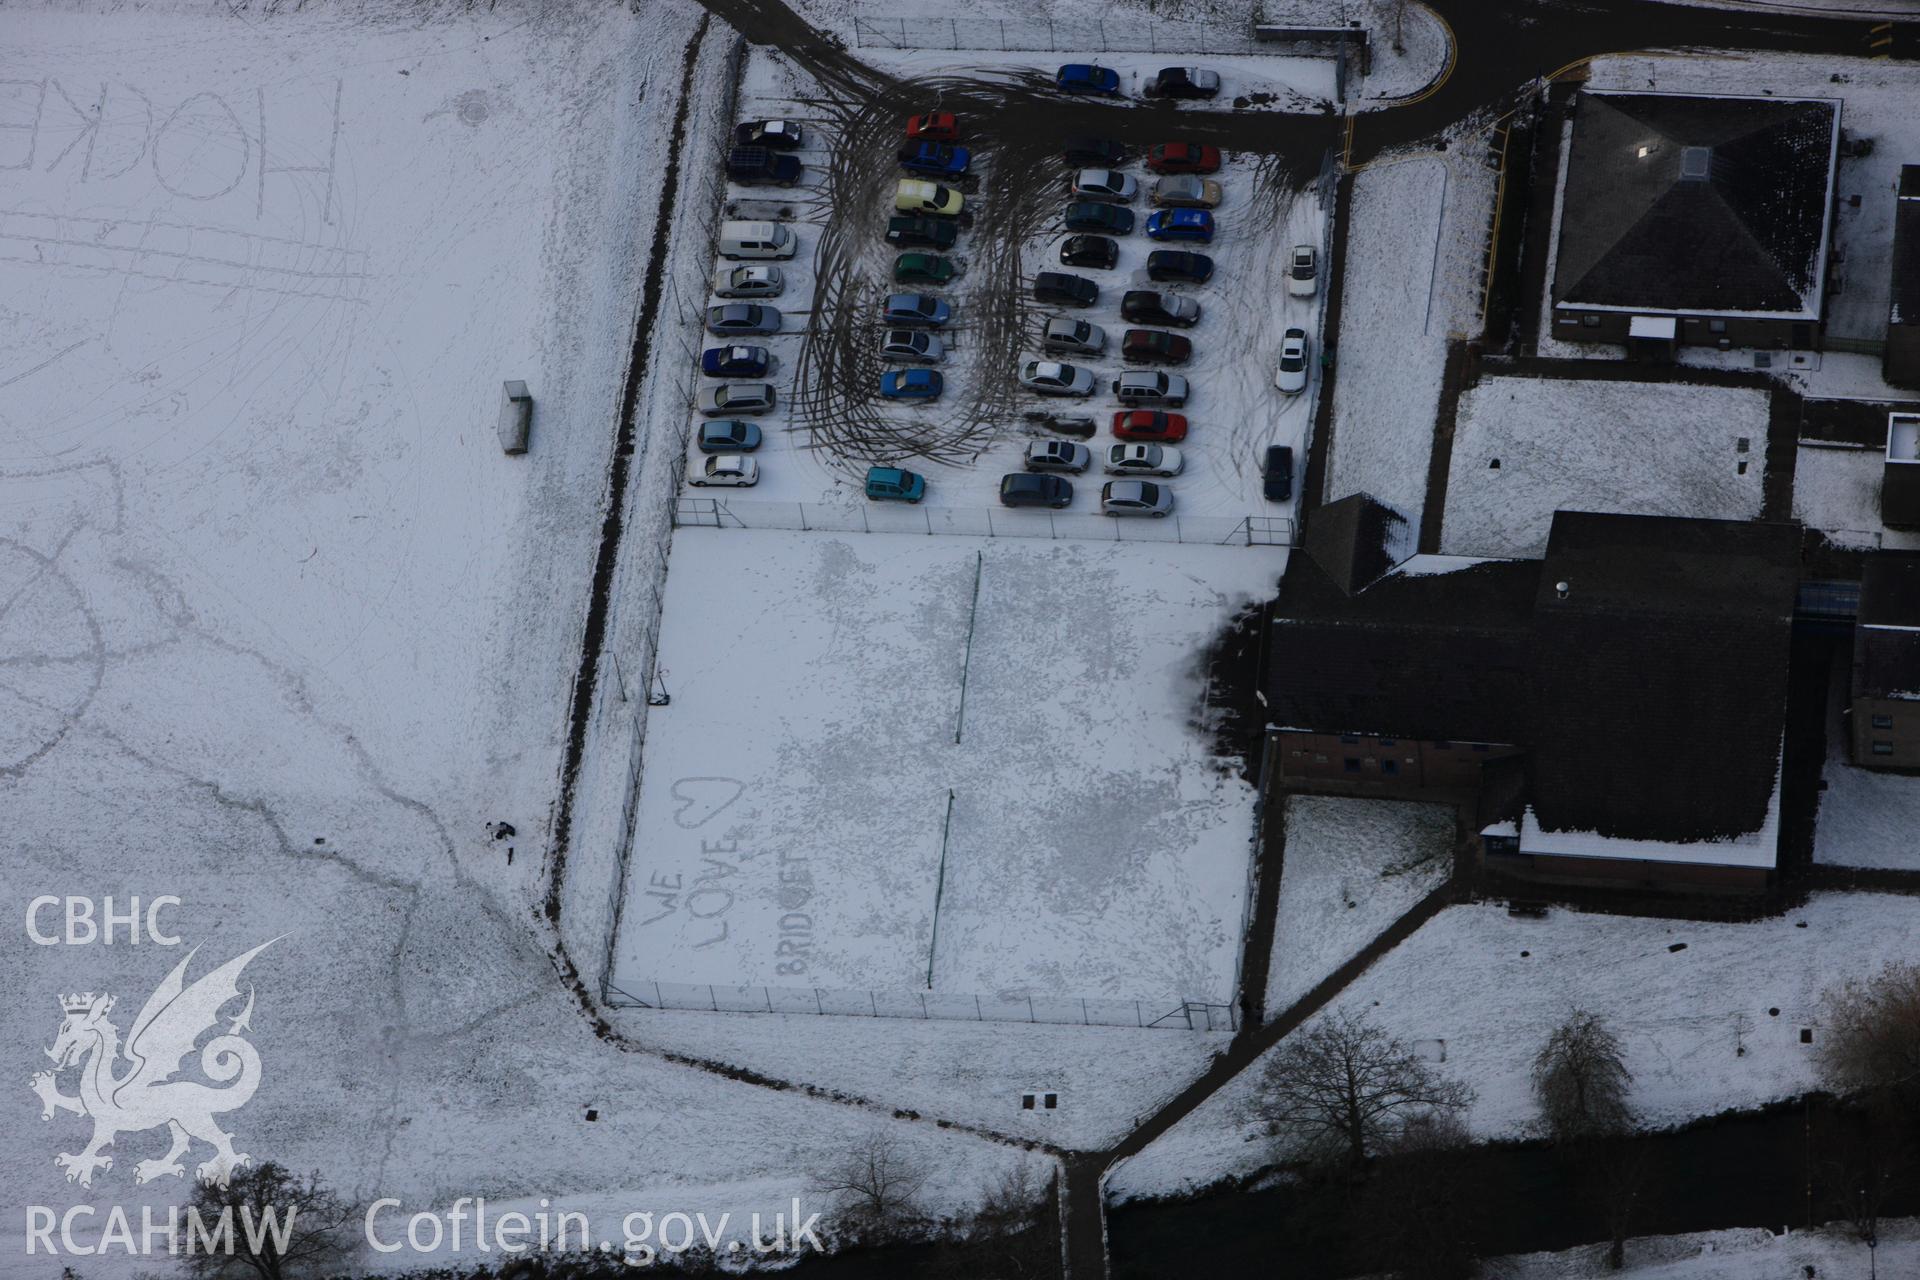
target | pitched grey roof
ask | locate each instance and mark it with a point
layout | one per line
(1639, 230)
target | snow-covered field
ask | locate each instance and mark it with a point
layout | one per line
(1867, 817)
(1741, 1253)
(818, 754)
(1353, 867)
(1416, 240)
(1710, 1014)
(1837, 491)
(1631, 447)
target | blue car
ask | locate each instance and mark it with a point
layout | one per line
(934, 160)
(729, 436)
(915, 310)
(1193, 225)
(1084, 77)
(736, 362)
(912, 384)
(891, 484)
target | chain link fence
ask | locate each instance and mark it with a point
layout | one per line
(701, 997)
(1043, 35)
(981, 522)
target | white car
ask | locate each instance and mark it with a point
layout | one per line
(748, 282)
(1105, 184)
(1143, 460)
(1052, 378)
(1303, 271)
(1079, 337)
(1135, 498)
(732, 469)
(727, 399)
(1292, 376)
(1058, 455)
(912, 346)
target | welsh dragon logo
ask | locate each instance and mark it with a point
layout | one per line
(145, 1095)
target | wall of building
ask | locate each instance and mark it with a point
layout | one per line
(1900, 363)
(1624, 872)
(1572, 325)
(1886, 733)
(1387, 766)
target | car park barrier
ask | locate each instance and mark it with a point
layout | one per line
(981, 522)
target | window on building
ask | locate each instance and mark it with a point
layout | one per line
(1716, 326)
(1883, 722)
(1353, 764)
(1348, 741)
(1388, 742)
(1319, 758)
(1883, 748)
(1390, 767)
(1591, 322)
(1050, 1101)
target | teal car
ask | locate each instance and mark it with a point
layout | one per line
(922, 268)
(891, 484)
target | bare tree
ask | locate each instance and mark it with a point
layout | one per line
(1866, 1163)
(1014, 1234)
(1580, 1080)
(306, 1230)
(1421, 1208)
(876, 1184)
(1870, 1043)
(1344, 1087)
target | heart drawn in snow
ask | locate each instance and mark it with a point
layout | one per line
(701, 798)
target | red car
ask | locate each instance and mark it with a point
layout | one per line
(1150, 346)
(1150, 424)
(1184, 157)
(934, 126)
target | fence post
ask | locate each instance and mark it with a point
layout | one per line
(1085, 1021)
(659, 1001)
(1003, 35)
(1030, 1015)
(978, 1016)
(818, 1007)
(953, 25)
(803, 515)
(768, 993)
(866, 525)
(923, 1005)
(713, 997)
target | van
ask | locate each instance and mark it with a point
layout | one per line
(756, 240)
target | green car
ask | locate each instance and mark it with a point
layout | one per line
(891, 484)
(922, 268)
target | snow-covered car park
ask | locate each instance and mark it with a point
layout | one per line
(959, 415)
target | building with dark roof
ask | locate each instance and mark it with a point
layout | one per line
(1900, 474)
(1696, 220)
(1900, 362)
(1885, 707)
(1627, 693)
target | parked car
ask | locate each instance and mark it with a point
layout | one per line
(1076, 425)
(729, 435)
(934, 159)
(915, 309)
(748, 282)
(1089, 251)
(1149, 386)
(1184, 82)
(751, 398)
(891, 484)
(1056, 378)
(782, 135)
(1078, 337)
(758, 166)
(736, 319)
(1303, 271)
(910, 232)
(1135, 498)
(1179, 264)
(1276, 473)
(757, 239)
(1183, 157)
(1145, 306)
(923, 268)
(917, 195)
(1105, 184)
(912, 384)
(1080, 152)
(913, 346)
(1186, 191)
(1152, 346)
(736, 361)
(1108, 219)
(1030, 489)
(1058, 455)
(1151, 425)
(734, 469)
(1143, 460)
(1191, 226)
(1058, 286)
(1292, 375)
(934, 126)
(1086, 77)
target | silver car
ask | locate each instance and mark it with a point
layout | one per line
(912, 346)
(1135, 498)
(724, 400)
(1105, 184)
(738, 318)
(1053, 378)
(735, 470)
(1058, 455)
(1150, 387)
(748, 282)
(1077, 337)
(1143, 460)
(1186, 191)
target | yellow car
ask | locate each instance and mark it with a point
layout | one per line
(915, 195)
